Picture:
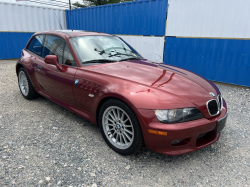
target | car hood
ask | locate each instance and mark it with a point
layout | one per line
(148, 75)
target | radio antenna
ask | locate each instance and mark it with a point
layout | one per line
(58, 20)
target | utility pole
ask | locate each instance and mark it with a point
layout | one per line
(69, 5)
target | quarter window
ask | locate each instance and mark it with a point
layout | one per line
(35, 45)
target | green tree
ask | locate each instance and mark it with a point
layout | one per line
(77, 4)
(89, 3)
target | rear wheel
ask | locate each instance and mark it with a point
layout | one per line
(120, 127)
(25, 85)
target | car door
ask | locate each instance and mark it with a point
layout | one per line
(53, 81)
(35, 48)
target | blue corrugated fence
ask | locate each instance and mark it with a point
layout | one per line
(222, 60)
(144, 17)
(12, 44)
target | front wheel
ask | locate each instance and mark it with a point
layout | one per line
(120, 127)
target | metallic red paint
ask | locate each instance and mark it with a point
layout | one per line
(186, 130)
(142, 84)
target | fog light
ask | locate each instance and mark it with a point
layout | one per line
(176, 142)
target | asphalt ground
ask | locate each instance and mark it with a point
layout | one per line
(43, 144)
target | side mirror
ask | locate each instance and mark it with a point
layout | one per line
(52, 59)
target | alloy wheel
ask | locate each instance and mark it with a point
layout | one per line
(118, 127)
(23, 83)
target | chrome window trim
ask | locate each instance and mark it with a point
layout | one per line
(217, 107)
(220, 99)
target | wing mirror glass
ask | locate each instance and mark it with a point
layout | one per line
(52, 59)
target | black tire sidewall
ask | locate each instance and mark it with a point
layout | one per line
(138, 139)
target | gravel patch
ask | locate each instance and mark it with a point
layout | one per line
(43, 144)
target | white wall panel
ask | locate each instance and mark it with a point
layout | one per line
(209, 18)
(150, 48)
(27, 18)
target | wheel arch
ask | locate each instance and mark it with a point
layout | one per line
(18, 66)
(118, 97)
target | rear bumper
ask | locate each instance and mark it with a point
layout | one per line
(195, 134)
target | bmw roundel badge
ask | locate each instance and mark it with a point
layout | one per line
(76, 81)
(212, 94)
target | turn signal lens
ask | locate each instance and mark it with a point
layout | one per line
(157, 132)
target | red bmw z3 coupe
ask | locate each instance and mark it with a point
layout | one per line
(134, 101)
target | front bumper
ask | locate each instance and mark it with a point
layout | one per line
(195, 134)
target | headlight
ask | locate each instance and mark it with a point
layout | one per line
(178, 115)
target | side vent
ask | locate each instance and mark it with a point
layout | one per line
(89, 85)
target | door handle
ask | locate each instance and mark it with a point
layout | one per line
(39, 67)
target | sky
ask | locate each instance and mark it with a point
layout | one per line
(49, 1)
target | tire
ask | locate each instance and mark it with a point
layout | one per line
(120, 127)
(25, 85)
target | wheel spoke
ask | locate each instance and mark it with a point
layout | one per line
(114, 113)
(109, 119)
(111, 116)
(125, 141)
(122, 116)
(109, 124)
(128, 131)
(119, 139)
(127, 125)
(113, 135)
(118, 114)
(125, 120)
(110, 130)
(127, 136)
(116, 138)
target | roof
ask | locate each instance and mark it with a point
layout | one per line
(73, 33)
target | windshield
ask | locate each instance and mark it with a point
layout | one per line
(102, 49)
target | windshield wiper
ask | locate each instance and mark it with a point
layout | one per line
(117, 54)
(98, 61)
(100, 52)
(129, 59)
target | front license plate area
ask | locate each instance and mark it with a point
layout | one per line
(221, 124)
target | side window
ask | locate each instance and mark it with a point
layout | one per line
(54, 45)
(35, 45)
(67, 57)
